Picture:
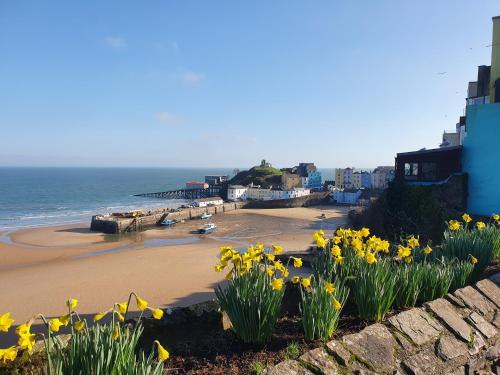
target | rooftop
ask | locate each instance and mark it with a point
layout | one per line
(430, 151)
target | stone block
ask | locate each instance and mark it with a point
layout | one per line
(341, 354)
(419, 326)
(320, 360)
(289, 367)
(490, 290)
(423, 363)
(449, 348)
(482, 325)
(476, 301)
(449, 316)
(374, 345)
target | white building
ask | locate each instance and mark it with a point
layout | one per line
(259, 194)
(237, 193)
(346, 196)
(210, 201)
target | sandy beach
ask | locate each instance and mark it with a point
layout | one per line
(41, 268)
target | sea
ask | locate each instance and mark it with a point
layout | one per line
(44, 196)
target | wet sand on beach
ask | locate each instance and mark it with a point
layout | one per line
(42, 267)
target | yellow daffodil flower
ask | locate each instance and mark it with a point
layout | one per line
(364, 232)
(120, 317)
(79, 325)
(270, 271)
(403, 251)
(357, 244)
(270, 257)
(277, 249)
(295, 279)
(5, 322)
(141, 304)
(277, 284)
(321, 242)
(337, 240)
(72, 303)
(24, 329)
(329, 288)
(116, 333)
(427, 250)
(157, 313)
(55, 324)
(297, 262)
(466, 218)
(122, 307)
(454, 225)
(99, 316)
(480, 225)
(219, 268)
(8, 354)
(408, 259)
(336, 304)
(339, 260)
(495, 217)
(413, 242)
(370, 258)
(306, 282)
(473, 259)
(64, 319)
(163, 354)
(336, 251)
(27, 341)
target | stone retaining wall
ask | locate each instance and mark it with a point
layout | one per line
(455, 335)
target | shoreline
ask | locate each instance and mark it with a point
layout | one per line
(43, 267)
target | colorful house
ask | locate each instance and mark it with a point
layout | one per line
(481, 145)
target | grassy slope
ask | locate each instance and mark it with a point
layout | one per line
(264, 176)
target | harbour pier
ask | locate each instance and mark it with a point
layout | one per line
(187, 194)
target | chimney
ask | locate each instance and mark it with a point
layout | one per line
(495, 62)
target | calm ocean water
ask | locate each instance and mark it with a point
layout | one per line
(49, 196)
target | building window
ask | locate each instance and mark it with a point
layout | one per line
(429, 171)
(411, 171)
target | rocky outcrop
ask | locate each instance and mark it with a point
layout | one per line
(456, 335)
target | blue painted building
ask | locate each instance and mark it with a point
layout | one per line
(481, 158)
(314, 180)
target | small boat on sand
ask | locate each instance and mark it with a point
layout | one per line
(207, 228)
(206, 216)
(168, 222)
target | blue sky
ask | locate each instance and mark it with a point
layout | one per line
(227, 83)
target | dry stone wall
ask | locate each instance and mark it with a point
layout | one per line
(456, 335)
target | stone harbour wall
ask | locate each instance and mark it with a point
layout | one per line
(122, 225)
(455, 335)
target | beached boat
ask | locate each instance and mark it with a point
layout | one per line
(206, 216)
(168, 222)
(207, 228)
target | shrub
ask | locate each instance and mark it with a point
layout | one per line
(254, 292)
(321, 305)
